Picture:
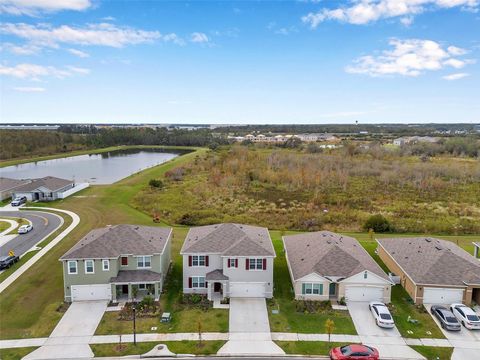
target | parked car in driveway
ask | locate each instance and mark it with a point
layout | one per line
(19, 201)
(7, 261)
(354, 352)
(382, 315)
(466, 316)
(448, 321)
(25, 229)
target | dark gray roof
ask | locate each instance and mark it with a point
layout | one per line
(215, 275)
(50, 182)
(113, 241)
(9, 184)
(328, 254)
(128, 276)
(229, 240)
(433, 261)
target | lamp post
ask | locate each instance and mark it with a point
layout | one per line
(134, 328)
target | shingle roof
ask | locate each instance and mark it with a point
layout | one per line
(215, 275)
(128, 276)
(50, 182)
(433, 261)
(229, 240)
(328, 254)
(8, 184)
(113, 241)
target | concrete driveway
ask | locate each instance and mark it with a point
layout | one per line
(70, 338)
(389, 342)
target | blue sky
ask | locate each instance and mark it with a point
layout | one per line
(92, 61)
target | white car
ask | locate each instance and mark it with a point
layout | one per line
(382, 315)
(466, 316)
(25, 229)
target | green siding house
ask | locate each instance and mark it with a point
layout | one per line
(120, 262)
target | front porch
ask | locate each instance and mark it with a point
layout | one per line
(217, 284)
(134, 285)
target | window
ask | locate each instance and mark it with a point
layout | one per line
(198, 282)
(144, 261)
(312, 289)
(142, 286)
(105, 265)
(72, 267)
(232, 262)
(89, 267)
(124, 260)
(365, 274)
(198, 260)
(255, 264)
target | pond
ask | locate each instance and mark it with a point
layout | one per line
(103, 168)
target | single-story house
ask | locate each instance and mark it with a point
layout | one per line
(228, 260)
(328, 266)
(432, 271)
(8, 186)
(44, 189)
(117, 262)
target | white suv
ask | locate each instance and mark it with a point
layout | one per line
(466, 316)
(382, 315)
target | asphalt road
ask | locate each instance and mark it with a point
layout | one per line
(43, 224)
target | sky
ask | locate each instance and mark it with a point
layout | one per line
(240, 62)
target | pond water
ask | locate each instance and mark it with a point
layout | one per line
(104, 168)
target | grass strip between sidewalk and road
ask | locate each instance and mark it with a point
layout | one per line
(16, 353)
(321, 348)
(435, 353)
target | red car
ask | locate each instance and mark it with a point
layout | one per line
(354, 352)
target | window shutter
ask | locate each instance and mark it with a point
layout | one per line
(190, 261)
(303, 289)
(190, 282)
(228, 262)
(206, 284)
(321, 289)
(247, 264)
(206, 260)
(264, 264)
(236, 263)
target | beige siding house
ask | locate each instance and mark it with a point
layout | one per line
(117, 262)
(432, 271)
(324, 266)
(228, 260)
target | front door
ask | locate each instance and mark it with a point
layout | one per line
(217, 287)
(332, 289)
(125, 289)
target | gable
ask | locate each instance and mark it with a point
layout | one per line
(313, 277)
(372, 278)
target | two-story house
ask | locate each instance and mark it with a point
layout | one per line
(117, 262)
(228, 260)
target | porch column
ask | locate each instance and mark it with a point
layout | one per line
(157, 290)
(113, 289)
(130, 293)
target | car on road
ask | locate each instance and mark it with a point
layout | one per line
(382, 315)
(19, 201)
(7, 261)
(448, 321)
(354, 352)
(25, 229)
(466, 316)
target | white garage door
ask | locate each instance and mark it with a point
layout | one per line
(91, 292)
(442, 296)
(252, 290)
(362, 293)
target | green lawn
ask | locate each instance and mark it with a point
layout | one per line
(15, 354)
(435, 353)
(177, 347)
(4, 225)
(307, 347)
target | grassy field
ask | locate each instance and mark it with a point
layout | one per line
(434, 353)
(307, 347)
(15, 354)
(177, 347)
(4, 225)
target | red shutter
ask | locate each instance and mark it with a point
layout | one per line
(189, 261)
(236, 263)
(206, 284)
(190, 282)
(264, 264)
(228, 262)
(247, 264)
(206, 260)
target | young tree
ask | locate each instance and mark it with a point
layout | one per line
(329, 328)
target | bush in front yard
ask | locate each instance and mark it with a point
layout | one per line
(199, 301)
(312, 307)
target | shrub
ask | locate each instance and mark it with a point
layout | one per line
(378, 223)
(156, 183)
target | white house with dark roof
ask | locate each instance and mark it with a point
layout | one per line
(324, 265)
(228, 260)
(47, 188)
(8, 186)
(117, 262)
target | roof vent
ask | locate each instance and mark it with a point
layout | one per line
(438, 247)
(406, 257)
(308, 245)
(302, 259)
(428, 240)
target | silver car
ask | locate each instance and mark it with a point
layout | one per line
(448, 321)
(466, 316)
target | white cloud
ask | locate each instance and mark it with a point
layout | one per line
(409, 57)
(36, 72)
(286, 30)
(456, 51)
(79, 53)
(198, 37)
(34, 7)
(29, 89)
(455, 76)
(28, 49)
(361, 12)
(108, 18)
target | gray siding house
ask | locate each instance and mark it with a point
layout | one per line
(328, 266)
(8, 186)
(48, 188)
(228, 260)
(120, 262)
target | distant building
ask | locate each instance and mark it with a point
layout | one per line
(7, 186)
(316, 137)
(414, 139)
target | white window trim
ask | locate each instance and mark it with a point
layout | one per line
(256, 264)
(76, 267)
(142, 286)
(93, 267)
(106, 261)
(312, 284)
(144, 257)
(198, 282)
(198, 257)
(232, 262)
